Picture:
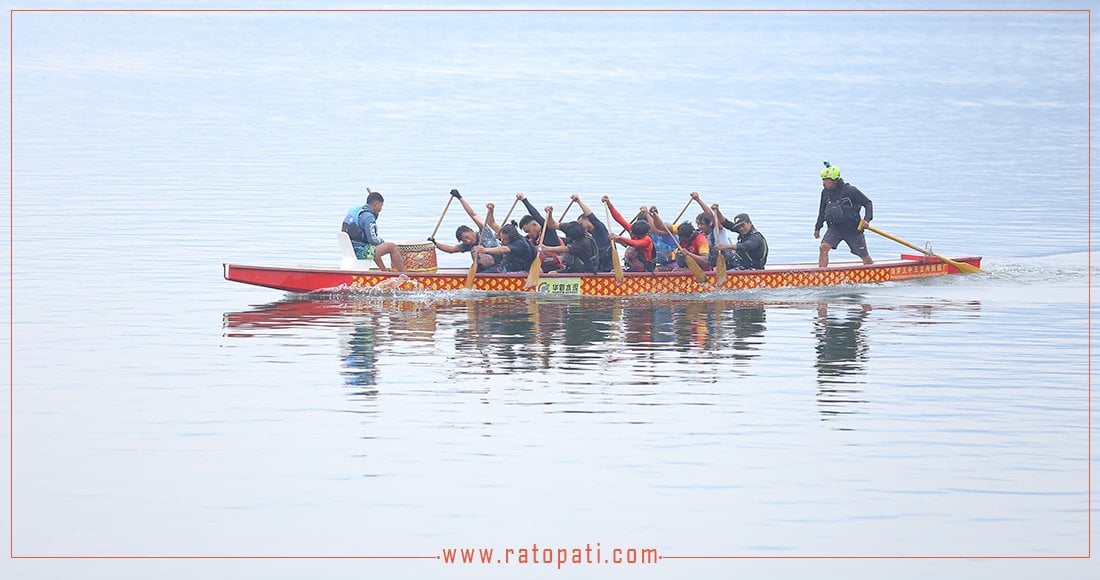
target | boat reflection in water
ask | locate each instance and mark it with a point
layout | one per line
(843, 348)
(841, 356)
(644, 345)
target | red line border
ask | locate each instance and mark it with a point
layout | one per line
(11, 257)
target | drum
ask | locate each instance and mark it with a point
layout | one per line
(418, 256)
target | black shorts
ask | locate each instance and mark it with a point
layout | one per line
(852, 235)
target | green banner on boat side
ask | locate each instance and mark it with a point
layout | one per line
(560, 286)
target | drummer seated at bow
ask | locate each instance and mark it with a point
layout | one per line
(361, 226)
(639, 255)
(515, 251)
(692, 242)
(750, 249)
(532, 225)
(468, 238)
(579, 253)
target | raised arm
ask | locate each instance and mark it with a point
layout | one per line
(615, 215)
(584, 208)
(720, 220)
(531, 208)
(706, 209)
(490, 219)
(550, 221)
(469, 210)
(656, 223)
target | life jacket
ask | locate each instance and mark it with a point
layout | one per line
(747, 261)
(352, 225)
(840, 210)
(520, 261)
(550, 262)
(603, 262)
(664, 248)
(585, 255)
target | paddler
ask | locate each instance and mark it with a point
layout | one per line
(532, 225)
(516, 252)
(597, 230)
(693, 242)
(750, 249)
(468, 238)
(640, 255)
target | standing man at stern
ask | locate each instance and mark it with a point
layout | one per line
(840, 203)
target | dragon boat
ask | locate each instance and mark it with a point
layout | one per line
(422, 274)
(335, 280)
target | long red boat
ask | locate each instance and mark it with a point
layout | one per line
(356, 277)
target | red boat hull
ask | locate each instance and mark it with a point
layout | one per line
(307, 280)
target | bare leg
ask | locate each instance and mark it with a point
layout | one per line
(396, 261)
(867, 259)
(823, 255)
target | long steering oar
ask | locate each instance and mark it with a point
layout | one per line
(445, 208)
(618, 267)
(962, 266)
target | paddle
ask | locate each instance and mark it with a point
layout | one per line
(694, 266)
(682, 212)
(470, 275)
(473, 267)
(510, 211)
(565, 212)
(536, 264)
(962, 266)
(618, 267)
(720, 266)
(445, 208)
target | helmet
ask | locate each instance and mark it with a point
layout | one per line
(830, 172)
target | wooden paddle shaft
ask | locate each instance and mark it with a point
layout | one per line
(565, 212)
(505, 222)
(445, 208)
(682, 212)
(960, 265)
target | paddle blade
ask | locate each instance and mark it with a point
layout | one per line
(470, 276)
(696, 269)
(720, 273)
(533, 273)
(962, 266)
(616, 264)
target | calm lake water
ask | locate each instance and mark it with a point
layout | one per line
(159, 410)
